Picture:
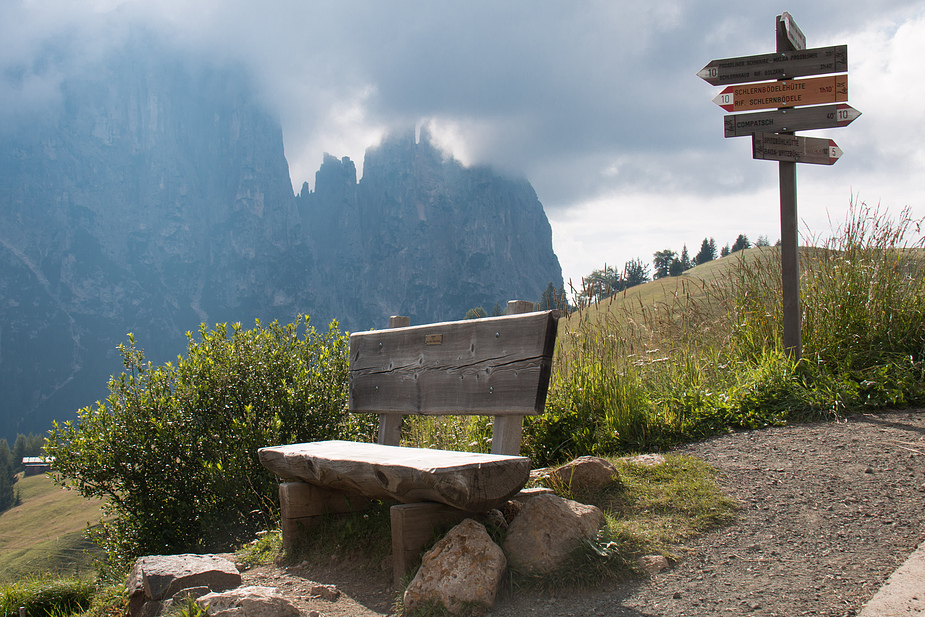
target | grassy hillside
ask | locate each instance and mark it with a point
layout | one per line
(693, 285)
(687, 357)
(45, 533)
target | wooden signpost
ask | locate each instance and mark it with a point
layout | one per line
(773, 131)
(796, 119)
(783, 65)
(786, 93)
(793, 149)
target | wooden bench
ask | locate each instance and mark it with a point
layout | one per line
(498, 366)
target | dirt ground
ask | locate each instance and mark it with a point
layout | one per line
(828, 511)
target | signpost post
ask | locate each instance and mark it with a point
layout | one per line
(789, 37)
(773, 131)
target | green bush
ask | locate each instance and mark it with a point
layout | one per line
(173, 449)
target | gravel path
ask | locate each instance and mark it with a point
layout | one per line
(829, 511)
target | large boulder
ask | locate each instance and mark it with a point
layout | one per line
(585, 474)
(155, 579)
(462, 572)
(250, 601)
(547, 530)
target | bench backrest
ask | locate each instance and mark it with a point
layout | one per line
(498, 366)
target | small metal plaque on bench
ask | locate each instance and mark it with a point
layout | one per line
(433, 339)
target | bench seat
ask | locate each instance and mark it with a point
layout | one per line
(463, 480)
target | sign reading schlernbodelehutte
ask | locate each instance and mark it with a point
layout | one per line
(787, 93)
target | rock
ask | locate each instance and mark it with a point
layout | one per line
(190, 592)
(653, 564)
(645, 460)
(325, 592)
(158, 577)
(585, 474)
(511, 509)
(249, 602)
(495, 518)
(462, 572)
(547, 530)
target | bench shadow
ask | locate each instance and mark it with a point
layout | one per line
(891, 423)
(361, 582)
(603, 601)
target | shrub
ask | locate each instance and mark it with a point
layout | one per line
(173, 449)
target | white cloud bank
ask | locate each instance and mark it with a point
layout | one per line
(597, 103)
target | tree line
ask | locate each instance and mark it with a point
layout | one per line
(11, 464)
(608, 281)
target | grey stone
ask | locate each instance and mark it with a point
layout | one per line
(462, 572)
(325, 592)
(653, 564)
(160, 576)
(190, 592)
(249, 602)
(584, 474)
(547, 530)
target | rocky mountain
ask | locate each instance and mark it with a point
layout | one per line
(421, 235)
(154, 195)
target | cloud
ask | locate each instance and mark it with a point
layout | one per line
(597, 103)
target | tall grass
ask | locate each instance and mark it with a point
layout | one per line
(708, 357)
(42, 596)
(866, 319)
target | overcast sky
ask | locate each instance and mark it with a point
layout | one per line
(597, 103)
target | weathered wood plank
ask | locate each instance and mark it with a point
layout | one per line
(463, 480)
(390, 424)
(492, 366)
(390, 429)
(506, 435)
(413, 526)
(296, 531)
(301, 499)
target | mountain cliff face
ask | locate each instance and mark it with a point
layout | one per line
(421, 235)
(155, 196)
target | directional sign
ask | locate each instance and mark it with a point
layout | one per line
(784, 120)
(783, 65)
(812, 91)
(794, 34)
(775, 147)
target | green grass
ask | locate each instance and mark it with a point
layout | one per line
(263, 550)
(650, 511)
(45, 533)
(692, 356)
(46, 596)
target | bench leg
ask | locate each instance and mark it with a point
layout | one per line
(414, 525)
(506, 435)
(390, 429)
(301, 506)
